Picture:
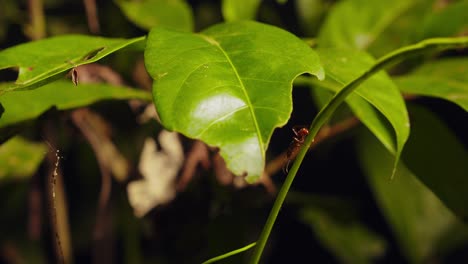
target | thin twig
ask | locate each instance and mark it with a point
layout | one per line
(79, 118)
(92, 16)
(36, 29)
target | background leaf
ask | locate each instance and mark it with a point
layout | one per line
(418, 218)
(449, 21)
(174, 14)
(240, 9)
(40, 61)
(20, 158)
(442, 166)
(27, 105)
(358, 23)
(229, 86)
(445, 78)
(336, 224)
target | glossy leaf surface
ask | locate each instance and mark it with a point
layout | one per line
(26, 105)
(446, 79)
(229, 86)
(418, 218)
(20, 158)
(40, 61)
(175, 14)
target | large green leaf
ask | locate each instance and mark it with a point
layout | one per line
(357, 23)
(175, 14)
(376, 99)
(418, 218)
(20, 158)
(445, 78)
(40, 61)
(442, 165)
(240, 9)
(26, 105)
(229, 86)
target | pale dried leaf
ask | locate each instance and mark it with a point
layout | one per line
(159, 169)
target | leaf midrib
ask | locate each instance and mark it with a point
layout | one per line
(244, 90)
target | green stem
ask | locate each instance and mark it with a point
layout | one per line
(425, 46)
(231, 253)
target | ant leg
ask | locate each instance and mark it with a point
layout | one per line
(296, 130)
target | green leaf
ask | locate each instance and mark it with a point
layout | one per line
(445, 78)
(417, 217)
(27, 105)
(376, 99)
(358, 23)
(450, 21)
(438, 159)
(240, 9)
(174, 14)
(348, 239)
(40, 61)
(229, 86)
(20, 158)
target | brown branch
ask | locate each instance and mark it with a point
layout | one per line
(83, 119)
(36, 29)
(92, 16)
(197, 155)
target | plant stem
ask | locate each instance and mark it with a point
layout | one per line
(231, 253)
(425, 46)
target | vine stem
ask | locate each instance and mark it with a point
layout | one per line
(425, 46)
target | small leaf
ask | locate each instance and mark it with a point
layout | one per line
(40, 61)
(445, 78)
(20, 158)
(418, 218)
(174, 14)
(376, 99)
(442, 165)
(240, 9)
(358, 23)
(229, 86)
(27, 105)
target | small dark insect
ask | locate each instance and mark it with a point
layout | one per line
(300, 134)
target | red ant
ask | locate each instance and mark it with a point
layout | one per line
(300, 134)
